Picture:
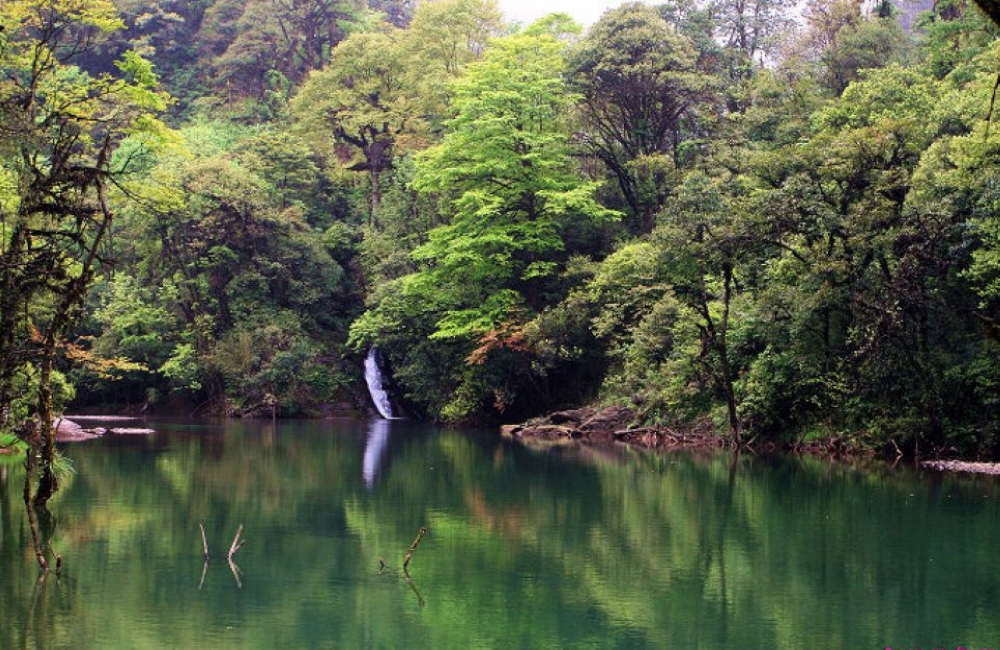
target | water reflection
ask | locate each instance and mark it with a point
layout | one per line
(525, 548)
(376, 446)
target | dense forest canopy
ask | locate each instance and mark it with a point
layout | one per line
(779, 218)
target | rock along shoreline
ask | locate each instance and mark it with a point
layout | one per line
(616, 424)
(69, 430)
(609, 425)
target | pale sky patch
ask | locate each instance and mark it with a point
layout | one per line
(585, 12)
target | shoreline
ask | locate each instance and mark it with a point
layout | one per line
(616, 424)
(613, 425)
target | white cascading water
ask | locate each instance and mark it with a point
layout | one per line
(373, 375)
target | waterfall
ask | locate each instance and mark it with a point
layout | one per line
(373, 375)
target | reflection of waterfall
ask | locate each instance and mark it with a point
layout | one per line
(375, 448)
(373, 375)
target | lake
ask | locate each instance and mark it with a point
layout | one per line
(524, 548)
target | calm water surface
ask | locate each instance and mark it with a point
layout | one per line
(524, 549)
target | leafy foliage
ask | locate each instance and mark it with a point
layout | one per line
(674, 209)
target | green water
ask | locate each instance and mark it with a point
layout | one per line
(524, 549)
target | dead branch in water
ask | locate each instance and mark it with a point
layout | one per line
(237, 543)
(204, 553)
(413, 547)
(235, 546)
(236, 572)
(204, 542)
(420, 599)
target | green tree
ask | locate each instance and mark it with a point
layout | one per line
(219, 238)
(444, 37)
(855, 311)
(711, 249)
(505, 172)
(750, 31)
(61, 129)
(260, 50)
(844, 40)
(164, 31)
(642, 94)
(384, 89)
(511, 198)
(955, 33)
(361, 105)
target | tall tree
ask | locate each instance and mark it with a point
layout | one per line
(60, 129)
(361, 101)
(750, 31)
(641, 92)
(385, 88)
(505, 172)
(259, 50)
(844, 39)
(511, 198)
(710, 246)
(444, 37)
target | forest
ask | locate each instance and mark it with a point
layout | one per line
(775, 218)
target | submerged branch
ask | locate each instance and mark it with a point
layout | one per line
(204, 553)
(420, 599)
(413, 547)
(237, 543)
(204, 542)
(236, 572)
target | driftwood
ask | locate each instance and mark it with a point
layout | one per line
(384, 569)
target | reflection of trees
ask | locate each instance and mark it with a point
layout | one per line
(658, 550)
(660, 542)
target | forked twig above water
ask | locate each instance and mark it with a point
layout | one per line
(237, 543)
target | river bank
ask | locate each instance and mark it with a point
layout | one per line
(617, 425)
(609, 425)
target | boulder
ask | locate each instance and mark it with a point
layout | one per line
(608, 420)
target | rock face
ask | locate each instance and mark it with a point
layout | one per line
(608, 425)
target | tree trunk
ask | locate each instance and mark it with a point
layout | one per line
(375, 201)
(729, 388)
